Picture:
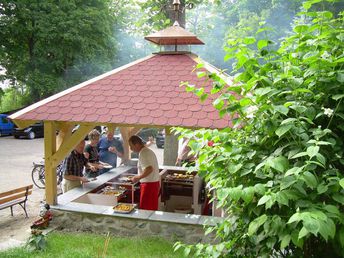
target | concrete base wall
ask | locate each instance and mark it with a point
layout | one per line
(122, 226)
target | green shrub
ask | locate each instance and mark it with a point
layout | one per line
(278, 173)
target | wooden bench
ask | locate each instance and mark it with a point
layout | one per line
(14, 197)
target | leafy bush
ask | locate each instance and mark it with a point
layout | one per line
(278, 173)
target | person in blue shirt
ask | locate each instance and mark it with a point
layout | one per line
(109, 149)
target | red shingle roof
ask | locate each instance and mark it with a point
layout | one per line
(143, 93)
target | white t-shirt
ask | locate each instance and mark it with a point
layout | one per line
(147, 158)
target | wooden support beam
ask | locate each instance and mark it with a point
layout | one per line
(69, 143)
(24, 123)
(50, 168)
(64, 134)
(126, 133)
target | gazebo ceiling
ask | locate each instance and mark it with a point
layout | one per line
(144, 93)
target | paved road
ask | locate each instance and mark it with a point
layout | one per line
(16, 157)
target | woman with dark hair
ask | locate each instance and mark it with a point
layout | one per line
(91, 154)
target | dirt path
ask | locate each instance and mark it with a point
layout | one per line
(16, 157)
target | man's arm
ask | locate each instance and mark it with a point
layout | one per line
(76, 178)
(145, 173)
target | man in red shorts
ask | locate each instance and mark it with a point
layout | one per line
(148, 174)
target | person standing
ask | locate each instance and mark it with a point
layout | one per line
(109, 149)
(148, 174)
(185, 156)
(91, 154)
(73, 167)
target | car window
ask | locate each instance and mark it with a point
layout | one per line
(4, 120)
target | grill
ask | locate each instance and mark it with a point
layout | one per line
(180, 190)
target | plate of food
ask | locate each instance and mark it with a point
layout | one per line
(108, 190)
(105, 165)
(124, 208)
(126, 178)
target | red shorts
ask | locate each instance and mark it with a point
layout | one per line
(149, 195)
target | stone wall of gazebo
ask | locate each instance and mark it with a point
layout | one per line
(123, 226)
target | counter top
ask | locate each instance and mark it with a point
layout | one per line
(66, 203)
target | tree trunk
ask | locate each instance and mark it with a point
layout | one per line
(171, 14)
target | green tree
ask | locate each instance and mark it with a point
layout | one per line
(278, 173)
(49, 46)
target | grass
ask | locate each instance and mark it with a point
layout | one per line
(61, 244)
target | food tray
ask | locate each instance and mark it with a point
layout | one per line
(123, 208)
(108, 190)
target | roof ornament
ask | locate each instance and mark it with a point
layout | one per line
(175, 39)
(176, 5)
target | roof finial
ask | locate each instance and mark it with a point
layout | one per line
(176, 4)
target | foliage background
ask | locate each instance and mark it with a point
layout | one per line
(278, 173)
(50, 46)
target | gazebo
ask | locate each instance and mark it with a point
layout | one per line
(144, 93)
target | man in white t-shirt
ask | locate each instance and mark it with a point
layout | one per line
(148, 174)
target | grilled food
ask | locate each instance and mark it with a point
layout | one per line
(123, 207)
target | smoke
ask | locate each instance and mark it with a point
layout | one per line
(216, 23)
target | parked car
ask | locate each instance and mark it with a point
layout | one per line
(6, 125)
(146, 133)
(160, 140)
(34, 131)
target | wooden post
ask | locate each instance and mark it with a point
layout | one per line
(50, 167)
(126, 133)
(170, 149)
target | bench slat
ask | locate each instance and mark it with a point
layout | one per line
(14, 197)
(21, 189)
(11, 203)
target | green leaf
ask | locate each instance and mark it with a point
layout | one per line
(200, 65)
(249, 40)
(327, 229)
(285, 241)
(262, 43)
(311, 225)
(288, 120)
(332, 209)
(283, 129)
(300, 28)
(280, 163)
(293, 171)
(235, 193)
(298, 155)
(263, 91)
(312, 151)
(281, 109)
(303, 232)
(296, 217)
(338, 198)
(201, 74)
(322, 188)
(340, 77)
(245, 101)
(321, 158)
(218, 104)
(338, 96)
(248, 194)
(255, 224)
(282, 198)
(341, 236)
(310, 179)
(341, 183)
(264, 199)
